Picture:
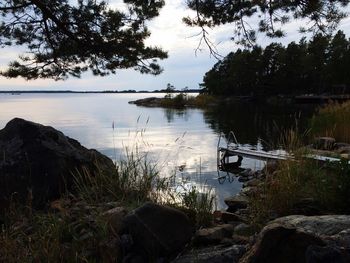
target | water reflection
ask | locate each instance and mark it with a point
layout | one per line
(174, 138)
(171, 114)
(254, 123)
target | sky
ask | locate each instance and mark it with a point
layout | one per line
(183, 68)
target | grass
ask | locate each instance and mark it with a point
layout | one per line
(332, 120)
(134, 181)
(201, 204)
(78, 236)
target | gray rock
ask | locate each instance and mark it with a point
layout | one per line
(326, 254)
(147, 102)
(244, 229)
(277, 244)
(246, 173)
(324, 143)
(157, 231)
(228, 217)
(248, 191)
(344, 150)
(236, 202)
(41, 160)
(213, 235)
(213, 254)
(302, 239)
(252, 183)
(243, 179)
(342, 239)
(114, 218)
(327, 225)
(339, 145)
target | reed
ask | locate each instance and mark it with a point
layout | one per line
(134, 181)
(201, 203)
(332, 120)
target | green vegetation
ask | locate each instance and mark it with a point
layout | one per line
(78, 235)
(299, 186)
(135, 181)
(332, 120)
(315, 66)
(200, 204)
(182, 100)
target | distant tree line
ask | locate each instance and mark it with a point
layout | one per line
(321, 65)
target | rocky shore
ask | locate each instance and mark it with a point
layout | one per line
(39, 160)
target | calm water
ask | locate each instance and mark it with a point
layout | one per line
(175, 138)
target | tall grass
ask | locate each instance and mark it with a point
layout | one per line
(201, 204)
(323, 186)
(134, 181)
(332, 120)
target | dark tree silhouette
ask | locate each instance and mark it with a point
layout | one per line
(317, 66)
(63, 37)
(69, 37)
(321, 16)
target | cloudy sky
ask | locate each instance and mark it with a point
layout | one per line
(183, 68)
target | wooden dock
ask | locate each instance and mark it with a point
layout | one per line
(258, 155)
(267, 156)
(233, 148)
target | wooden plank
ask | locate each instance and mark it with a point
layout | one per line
(264, 156)
(255, 154)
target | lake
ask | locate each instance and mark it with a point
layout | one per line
(186, 138)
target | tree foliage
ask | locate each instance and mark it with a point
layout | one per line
(63, 37)
(270, 16)
(319, 65)
(68, 37)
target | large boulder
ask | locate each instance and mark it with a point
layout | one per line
(308, 239)
(156, 232)
(38, 161)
